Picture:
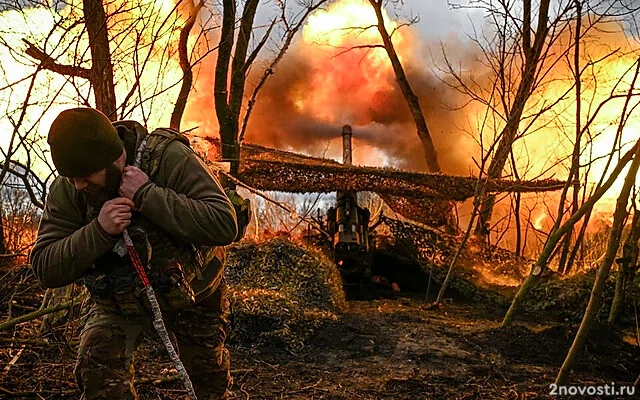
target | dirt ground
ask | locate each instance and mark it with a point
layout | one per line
(396, 349)
(379, 349)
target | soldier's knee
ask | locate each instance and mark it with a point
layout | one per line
(103, 369)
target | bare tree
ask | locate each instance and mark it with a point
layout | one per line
(477, 201)
(520, 61)
(227, 94)
(185, 64)
(123, 54)
(233, 64)
(291, 26)
(431, 155)
(23, 143)
(505, 56)
(595, 300)
(100, 75)
(74, 58)
(559, 231)
(574, 170)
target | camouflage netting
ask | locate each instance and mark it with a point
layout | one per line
(567, 297)
(281, 293)
(422, 197)
(429, 212)
(479, 277)
(271, 169)
(290, 176)
(426, 246)
(433, 251)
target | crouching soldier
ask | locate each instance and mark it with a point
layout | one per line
(178, 217)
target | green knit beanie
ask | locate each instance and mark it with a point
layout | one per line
(83, 141)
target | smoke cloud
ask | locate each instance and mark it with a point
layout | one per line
(304, 105)
(323, 83)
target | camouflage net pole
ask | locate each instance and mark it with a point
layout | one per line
(158, 322)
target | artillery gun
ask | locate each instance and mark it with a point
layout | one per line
(348, 227)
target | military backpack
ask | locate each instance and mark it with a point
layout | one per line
(173, 265)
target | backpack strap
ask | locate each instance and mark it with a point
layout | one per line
(148, 158)
(152, 148)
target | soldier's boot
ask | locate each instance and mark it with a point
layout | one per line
(211, 380)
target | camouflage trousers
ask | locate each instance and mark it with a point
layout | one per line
(105, 364)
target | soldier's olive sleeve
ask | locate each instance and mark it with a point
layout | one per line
(188, 201)
(65, 248)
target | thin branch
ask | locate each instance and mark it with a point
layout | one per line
(50, 64)
(33, 315)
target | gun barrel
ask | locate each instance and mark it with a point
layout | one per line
(346, 145)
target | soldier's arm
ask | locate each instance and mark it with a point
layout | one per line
(188, 201)
(65, 248)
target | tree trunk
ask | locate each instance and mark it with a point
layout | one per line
(228, 129)
(567, 257)
(101, 75)
(185, 65)
(626, 268)
(238, 65)
(516, 209)
(577, 246)
(564, 254)
(565, 266)
(595, 300)
(229, 85)
(412, 100)
(3, 248)
(519, 249)
(452, 264)
(532, 53)
(507, 137)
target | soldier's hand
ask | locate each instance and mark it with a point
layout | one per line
(132, 179)
(115, 215)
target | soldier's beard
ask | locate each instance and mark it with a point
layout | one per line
(97, 195)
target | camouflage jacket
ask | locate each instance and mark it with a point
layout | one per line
(184, 203)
